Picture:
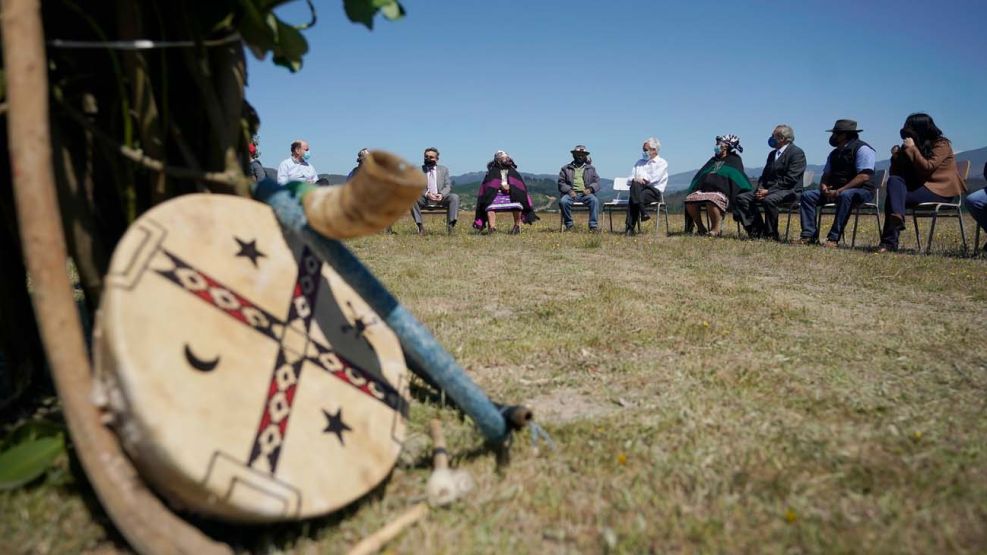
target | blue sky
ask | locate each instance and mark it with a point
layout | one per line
(537, 77)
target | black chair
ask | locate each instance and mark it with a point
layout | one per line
(936, 210)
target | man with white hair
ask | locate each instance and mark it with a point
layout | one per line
(780, 183)
(648, 180)
(579, 183)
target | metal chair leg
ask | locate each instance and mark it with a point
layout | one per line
(788, 223)
(918, 239)
(877, 215)
(959, 216)
(932, 230)
(610, 214)
(668, 229)
(856, 218)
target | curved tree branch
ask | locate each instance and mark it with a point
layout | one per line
(146, 523)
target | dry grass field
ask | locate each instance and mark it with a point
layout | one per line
(704, 395)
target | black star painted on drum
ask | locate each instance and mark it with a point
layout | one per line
(336, 425)
(296, 348)
(248, 249)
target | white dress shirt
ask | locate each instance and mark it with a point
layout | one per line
(290, 170)
(655, 170)
(433, 188)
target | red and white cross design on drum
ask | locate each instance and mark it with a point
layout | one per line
(296, 346)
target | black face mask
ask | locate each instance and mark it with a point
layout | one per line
(834, 140)
(430, 163)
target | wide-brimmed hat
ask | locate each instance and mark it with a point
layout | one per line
(579, 149)
(845, 126)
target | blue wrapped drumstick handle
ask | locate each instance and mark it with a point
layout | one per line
(424, 351)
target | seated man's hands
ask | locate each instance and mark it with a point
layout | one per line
(572, 194)
(434, 197)
(760, 193)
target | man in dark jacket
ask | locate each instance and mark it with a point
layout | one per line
(847, 180)
(579, 183)
(780, 183)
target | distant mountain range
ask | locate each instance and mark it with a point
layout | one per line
(544, 190)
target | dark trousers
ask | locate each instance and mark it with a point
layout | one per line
(746, 211)
(898, 200)
(641, 196)
(844, 201)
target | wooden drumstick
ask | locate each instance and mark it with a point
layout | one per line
(376, 541)
(444, 487)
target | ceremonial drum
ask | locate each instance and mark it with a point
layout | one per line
(245, 378)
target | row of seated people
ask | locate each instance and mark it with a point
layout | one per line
(923, 169)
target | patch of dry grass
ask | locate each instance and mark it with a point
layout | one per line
(704, 395)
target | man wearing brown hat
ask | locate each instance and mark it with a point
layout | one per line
(847, 180)
(579, 183)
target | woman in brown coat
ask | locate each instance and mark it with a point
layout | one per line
(923, 169)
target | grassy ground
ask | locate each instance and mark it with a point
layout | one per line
(710, 395)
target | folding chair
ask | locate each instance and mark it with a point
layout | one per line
(434, 209)
(936, 210)
(829, 208)
(875, 207)
(620, 184)
(794, 204)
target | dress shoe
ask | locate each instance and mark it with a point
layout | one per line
(516, 230)
(645, 216)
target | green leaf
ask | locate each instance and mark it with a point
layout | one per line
(360, 11)
(28, 460)
(291, 46)
(392, 11)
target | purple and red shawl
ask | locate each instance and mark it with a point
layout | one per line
(489, 188)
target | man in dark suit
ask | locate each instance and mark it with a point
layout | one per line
(780, 183)
(438, 191)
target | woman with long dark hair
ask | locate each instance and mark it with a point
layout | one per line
(923, 169)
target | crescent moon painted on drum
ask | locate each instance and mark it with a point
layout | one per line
(198, 363)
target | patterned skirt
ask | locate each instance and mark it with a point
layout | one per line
(502, 202)
(719, 199)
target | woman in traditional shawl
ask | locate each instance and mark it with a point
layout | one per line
(717, 184)
(503, 190)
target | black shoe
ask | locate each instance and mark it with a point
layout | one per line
(568, 227)
(594, 230)
(629, 231)
(450, 227)
(516, 230)
(421, 229)
(645, 216)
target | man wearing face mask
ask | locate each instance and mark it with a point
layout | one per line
(579, 183)
(296, 166)
(438, 191)
(779, 183)
(648, 180)
(847, 180)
